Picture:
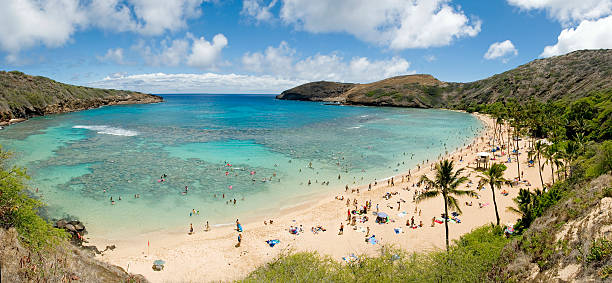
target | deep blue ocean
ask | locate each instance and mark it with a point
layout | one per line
(252, 148)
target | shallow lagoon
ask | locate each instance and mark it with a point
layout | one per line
(73, 158)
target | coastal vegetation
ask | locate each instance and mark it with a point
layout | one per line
(469, 259)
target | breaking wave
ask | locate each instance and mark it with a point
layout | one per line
(108, 130)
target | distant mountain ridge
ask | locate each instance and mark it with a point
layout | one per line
(569, 76)
(23, 96)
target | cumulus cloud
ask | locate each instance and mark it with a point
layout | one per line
(191, 51)
(256, 9)
(196, 83)
(205, 54)
(588, 35)
(568, 11)
(112, 55)
(398, 24)
(282, 61)
(502, 50)
(26, 23)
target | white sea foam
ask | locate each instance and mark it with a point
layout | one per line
(108, 130)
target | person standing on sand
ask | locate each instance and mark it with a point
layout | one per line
(239, 240)
(341, 229)
(190, 228)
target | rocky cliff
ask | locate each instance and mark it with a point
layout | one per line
(62, 263)
(571, 242)
(570, 76)
(23, 96)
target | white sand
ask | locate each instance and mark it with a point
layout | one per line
(212, 256)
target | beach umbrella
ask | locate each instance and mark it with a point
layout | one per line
(159, 262)
(382, 215)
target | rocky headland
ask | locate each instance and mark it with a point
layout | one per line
(23, 96)
(565, 77)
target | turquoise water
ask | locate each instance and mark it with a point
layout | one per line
(80, 160)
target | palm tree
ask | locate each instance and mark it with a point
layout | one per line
(539, 149)
(526, 202)
(549, 153)
(494, 177)
(446, 182)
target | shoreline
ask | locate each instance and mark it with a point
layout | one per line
(211, 256)
(150, 100)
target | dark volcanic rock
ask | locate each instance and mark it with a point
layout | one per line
(317, 91)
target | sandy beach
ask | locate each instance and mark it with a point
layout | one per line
(213, 256)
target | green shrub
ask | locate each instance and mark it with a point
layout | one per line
(468, 260)
(601, 249)
(19, 210)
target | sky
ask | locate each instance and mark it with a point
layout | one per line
(267, 46)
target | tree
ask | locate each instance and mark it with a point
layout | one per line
(539, 149)
(549, 153)
(527, 203)
(494, 177)
(446, 182)
(18, 209)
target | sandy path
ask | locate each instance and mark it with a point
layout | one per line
(211, 256)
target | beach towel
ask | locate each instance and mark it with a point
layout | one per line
(350, 259)
(398, 230)
(372, 240)
(272, 242)
(402, 214)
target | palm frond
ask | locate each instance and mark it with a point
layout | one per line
(427, 195)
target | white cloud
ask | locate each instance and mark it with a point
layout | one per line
(191, 51)
(568, 11)
(588, 35)
(112, 55)
(197, 83)
(257, 10)
(281, 61)
(398, 24)
(501, 50)
(430, 58)
(205, 54)
(274, 59)
(26, 23)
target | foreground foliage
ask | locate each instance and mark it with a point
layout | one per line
(468, 260)
(19, 210)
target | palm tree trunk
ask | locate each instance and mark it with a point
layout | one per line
(540, 170)
(552, 171)
(495, 204)
(518, 162)
(445, 219)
